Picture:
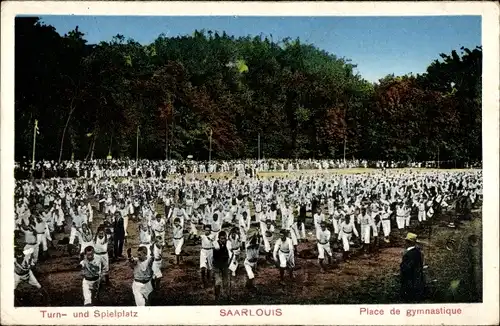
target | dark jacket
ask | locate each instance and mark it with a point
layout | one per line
(412, 275)
(302, 213)
(118, 228)
(221, 257)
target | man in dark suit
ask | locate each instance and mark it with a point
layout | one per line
(222, 255)
(474, 270)
(411, 270)
(118, 235)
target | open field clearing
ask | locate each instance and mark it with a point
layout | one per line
(312, 172)
(364, 279)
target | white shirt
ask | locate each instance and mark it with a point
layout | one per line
(348, 228)
(284, 246)
(158, 226)
(145, 237)
(178, 231)
(101, 245)
(323, 237)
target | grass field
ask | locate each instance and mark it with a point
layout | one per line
(284, 174)
(366, 280)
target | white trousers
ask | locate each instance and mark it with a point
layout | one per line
(267, 243)
(206, 258)
(233, 264)
(294, 230)
(141, 292)
(386, 227)
(249, 269)
(48, 229)
(87, 288)
(317, 228)
(293, 236)
(286, 259)
(335, 223)
(41, 239)
(178, 245)
(35, 248)
(421, 216)
(346, 238)
(125, 224)
(365, 233)
(30, 278)
(60, 218)
(407, 220)
(322, 248)
(400, 221)
(105, 263)
(157, 269)
(75, 234)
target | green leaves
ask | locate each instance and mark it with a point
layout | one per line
(241, 65)
(128, 60)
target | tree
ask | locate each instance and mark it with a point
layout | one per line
(300, 100)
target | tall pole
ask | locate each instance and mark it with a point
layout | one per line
(345, 141)
(258, 147)
(345, 130)
(111, 143)
(35, 129)
(93, 147)
(210, 148)
(438, 157)
(137, 146)
(172, 126)
(166, 138)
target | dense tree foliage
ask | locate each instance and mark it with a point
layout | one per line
(93, 100)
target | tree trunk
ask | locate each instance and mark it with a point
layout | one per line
(64, 130)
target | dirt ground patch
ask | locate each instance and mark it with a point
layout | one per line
(372, 279)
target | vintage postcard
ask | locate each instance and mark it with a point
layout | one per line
(249, 163)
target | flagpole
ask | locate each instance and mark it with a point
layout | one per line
(137, 146)
(34, 145)
(258, 146)
(210, 148)
(166, 139)
(438, 158)
(345, 132)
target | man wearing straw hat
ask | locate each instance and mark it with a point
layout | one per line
(411, 270)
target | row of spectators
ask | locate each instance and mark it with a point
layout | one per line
(149, 168)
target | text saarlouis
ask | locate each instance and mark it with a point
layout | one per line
(250, 312)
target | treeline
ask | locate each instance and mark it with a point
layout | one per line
(92, 101)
